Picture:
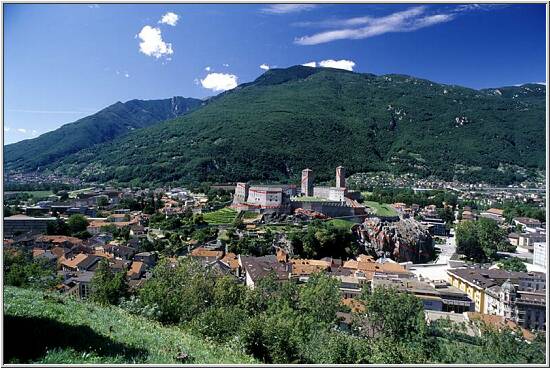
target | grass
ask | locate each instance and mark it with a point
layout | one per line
(381, 209)
(308, 199)
(248, 215)
(36, 193)
(342, 224)
(222, 216)
(48, 328)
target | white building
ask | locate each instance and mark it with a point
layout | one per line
(539, 254)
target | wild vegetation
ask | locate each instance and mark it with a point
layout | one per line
(391, 122)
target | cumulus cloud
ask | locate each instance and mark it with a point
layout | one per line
(169, 18)
(364, 27)
(127, 75)
(22, 130)
(219, 81)
(208, 68)
(337, 64)
(226, 65)
(311, 64)
(264, 67)
(287, 8)
(6, 129)
(152, 43)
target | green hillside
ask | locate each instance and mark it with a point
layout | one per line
(46, 328)
(290, 119)
(105, 125)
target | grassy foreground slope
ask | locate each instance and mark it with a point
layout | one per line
(46, 328)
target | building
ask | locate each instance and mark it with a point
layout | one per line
(436, 226)
(539, 254)
(527, 309)
(78, 285)
(22, 224)
(307, 182)
(528, 224)
(340, 177)
(475, 281)
(330, 201)
(256, 268)
(527, 240)
(437, 296)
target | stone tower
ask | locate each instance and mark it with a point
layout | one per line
(307, 182)
(340, 177)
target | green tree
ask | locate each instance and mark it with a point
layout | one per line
(480, 240)
(77, 223)
(513, 264)
(108, 287)
(320, 297)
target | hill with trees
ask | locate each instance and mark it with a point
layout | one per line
(113, 121)
(290, 119)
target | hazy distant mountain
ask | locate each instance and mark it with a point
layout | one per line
(114, 121)
(290, 119)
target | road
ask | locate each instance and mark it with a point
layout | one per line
(447, 249)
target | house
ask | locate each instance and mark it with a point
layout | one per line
(232, 261)
(497, 322)
(539, 254)
(78, 284)
(206, 255)
(21, 224)
(119, 251)
(136, 270)
(47, 241)
(513, 238)
(527, 240)
(439, 296)
(475, 281)
(528, 309)
(80, 262)
(149, 258)
(256, 268)
(528, 224)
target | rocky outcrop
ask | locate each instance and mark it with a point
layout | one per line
(404, 240)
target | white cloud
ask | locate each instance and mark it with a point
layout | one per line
(127, 75)
(337, 64)
(404, 21)
(34, 132)
(543, 83)
(93, 6)
(208, 68)
(311, 64)
(169, 18)
(264, 67)
(219, 81)
(152, 44)
(6, 129)
(226, 65)
(21, 130)
(287, 8)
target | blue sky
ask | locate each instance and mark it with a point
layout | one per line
(66, 61)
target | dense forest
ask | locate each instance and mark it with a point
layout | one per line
(290, 119)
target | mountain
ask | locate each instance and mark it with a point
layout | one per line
(114, 121)
(291, 119)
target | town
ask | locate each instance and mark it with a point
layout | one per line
(250, 232)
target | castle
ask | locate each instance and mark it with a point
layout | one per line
(334, 201)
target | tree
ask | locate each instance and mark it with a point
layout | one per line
(513, 264)
(77, 223)
(320, 297)
(102, 201)
(21, 270)
(480, 240)
(108, 287)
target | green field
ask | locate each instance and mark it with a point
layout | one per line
(47, 328)
(248, 215)
(381, 209)
(36, 193)
(343, 224)
(220, 217)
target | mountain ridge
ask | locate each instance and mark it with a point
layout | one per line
(113, 121)
(289, 119)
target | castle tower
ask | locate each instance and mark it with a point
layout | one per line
(307, 182)
(340, 177)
